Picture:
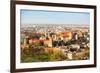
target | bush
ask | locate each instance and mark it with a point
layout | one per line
(38, 54)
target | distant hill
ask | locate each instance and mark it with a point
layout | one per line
(48, 25)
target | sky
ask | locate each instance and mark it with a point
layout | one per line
(54, 17)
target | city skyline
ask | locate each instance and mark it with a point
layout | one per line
(54, 17)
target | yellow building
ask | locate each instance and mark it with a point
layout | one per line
(48, 42)
(65, 35)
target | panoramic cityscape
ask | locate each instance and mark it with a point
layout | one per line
(61, 40)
